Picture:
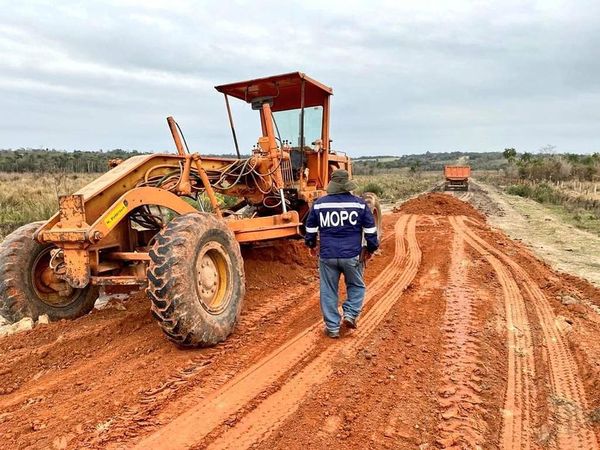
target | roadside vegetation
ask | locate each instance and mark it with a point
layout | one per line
(25, 160)
(580, 210)
(32, 179)
(568, 184)
(547, 166)
(397, 185)
(40, 160)
(428, 161)
(28, 197)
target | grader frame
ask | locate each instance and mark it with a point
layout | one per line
(91, 226)
(143, 223)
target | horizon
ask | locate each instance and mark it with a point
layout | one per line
(541, 151)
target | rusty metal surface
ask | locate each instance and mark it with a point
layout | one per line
(126, 280)
(128, 256)
(274, 151)
(176, 136)
(207, 186)
(77, 267)
(266, 228)
(71, 210)
(285, 88)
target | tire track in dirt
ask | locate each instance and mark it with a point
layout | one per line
(387, 418)
(459, 397)
(272, 412)
(463, 196)
(113, 378)
(197, 422)
(109, 375)
(520, 389)
(159, 394)
(568, 401)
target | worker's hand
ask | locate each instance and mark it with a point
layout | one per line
(314, 252)
(365, 255)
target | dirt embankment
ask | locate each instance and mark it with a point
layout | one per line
(465, 340)
(436, 204)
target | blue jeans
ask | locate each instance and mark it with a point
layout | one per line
(330, 270)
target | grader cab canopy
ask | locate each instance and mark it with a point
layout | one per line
(288, 91)
(174, 222)
(297, 107)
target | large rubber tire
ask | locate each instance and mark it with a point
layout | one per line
(19, 297)
(375, 206)
(176, 284)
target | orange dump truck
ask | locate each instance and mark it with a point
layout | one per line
(457, 177)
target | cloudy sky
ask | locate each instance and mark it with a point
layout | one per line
(408, 76)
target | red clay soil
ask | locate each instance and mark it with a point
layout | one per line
(465, 340)
(436, 204)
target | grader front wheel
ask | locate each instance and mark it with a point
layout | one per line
(196, 280)
(30, 288)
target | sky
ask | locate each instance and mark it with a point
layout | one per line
(408, 76)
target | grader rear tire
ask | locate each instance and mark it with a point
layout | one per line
(24, 287)
(375, 207)
(196, 280)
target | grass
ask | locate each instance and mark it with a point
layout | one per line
(582, 213)
(541, 193)
(398, 185)
(28, 197)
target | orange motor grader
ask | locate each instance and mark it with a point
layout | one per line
(158, 221)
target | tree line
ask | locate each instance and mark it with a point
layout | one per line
(541, 166)
(49, 161)
(428, 161)
(43, 160)
(552, 167)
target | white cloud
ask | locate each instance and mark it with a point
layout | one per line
(407, 76)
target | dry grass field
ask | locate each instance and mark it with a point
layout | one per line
(576, 202)
(398, 185)
(27, 197)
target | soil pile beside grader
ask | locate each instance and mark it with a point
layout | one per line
(144, 223)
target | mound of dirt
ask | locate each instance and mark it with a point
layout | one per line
(289, 252)
(281, 264)
(436, 204)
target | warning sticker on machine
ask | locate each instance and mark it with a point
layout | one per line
(114, 216)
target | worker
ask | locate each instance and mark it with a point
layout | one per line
(341, 219)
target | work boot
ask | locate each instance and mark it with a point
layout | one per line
(350, 322)
(332, 334)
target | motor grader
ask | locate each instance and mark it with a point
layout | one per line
(159, 221)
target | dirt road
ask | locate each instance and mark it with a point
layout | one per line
(466, 341)
(542, 229)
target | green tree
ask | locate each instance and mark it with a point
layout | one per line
(509, 154)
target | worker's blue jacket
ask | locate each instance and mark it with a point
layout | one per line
(341, 220)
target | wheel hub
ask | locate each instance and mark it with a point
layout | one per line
(212, 277)
(208, 279)
(49, 288)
